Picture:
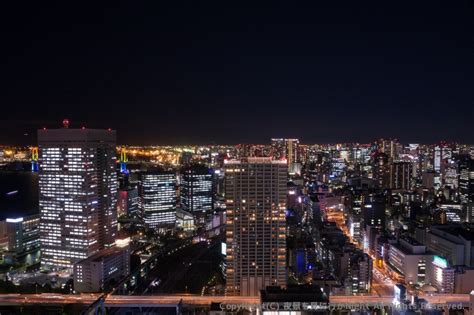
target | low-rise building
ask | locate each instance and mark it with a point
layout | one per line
(95, 273)
(454, 241)
(20, 237)
(442, 276)
(409, 259)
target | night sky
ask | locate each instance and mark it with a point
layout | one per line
(178, 72)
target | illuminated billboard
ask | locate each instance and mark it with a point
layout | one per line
(440, 262)
(223, 248)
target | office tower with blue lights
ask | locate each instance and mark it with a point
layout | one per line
(157, 198)
(197, 189)
(77, 194)
(255, 192)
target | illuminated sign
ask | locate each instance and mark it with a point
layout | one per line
(399, 293)
(366, 243)
(223, 248)
(122, 242)
(440, 262)
(439, 275)
(396, 290)
(17, 220)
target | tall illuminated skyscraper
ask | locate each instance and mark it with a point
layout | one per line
(255, 192)
(401, 175)
(197, 189)
(77, 194)
(157, 198)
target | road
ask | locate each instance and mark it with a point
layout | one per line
(382, 285)
(190, 299)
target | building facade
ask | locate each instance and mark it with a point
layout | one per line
(401, 175)
(157, 198)
(96, 272)
(77, 194)
(20, 236)
(256, 232)
(197, 189)
(128, 202)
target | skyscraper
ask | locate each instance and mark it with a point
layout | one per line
(127, 203)
(77, 194)
(197, 189)
(256, 240)
(466, 185)
(401, 175)
(381, 170)
(157, 198)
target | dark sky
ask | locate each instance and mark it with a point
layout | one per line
(169, 72)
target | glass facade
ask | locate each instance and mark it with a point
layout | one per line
(158, 199)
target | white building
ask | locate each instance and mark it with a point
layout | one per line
(78, 194)
(95, 273)
(442, 277)
(409, 259)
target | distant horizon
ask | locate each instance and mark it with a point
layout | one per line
(261, 143)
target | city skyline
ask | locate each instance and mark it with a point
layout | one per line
(285, 221)
(303, 158)
(264, 142)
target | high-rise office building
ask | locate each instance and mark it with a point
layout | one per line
(437, 158)
(381, 170)
(373, 211)
(77, 194)
(401, 175)
(197, 189)
(157, 198)
(127, 203)
(389, 147)
(466, 185)
(256, 240)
